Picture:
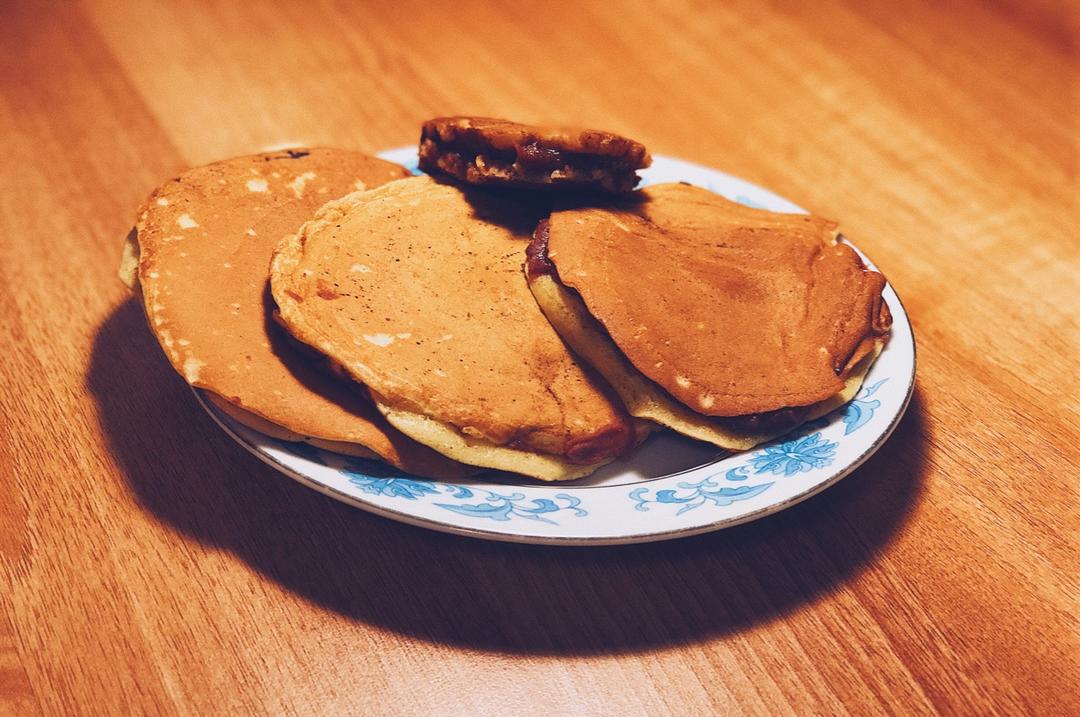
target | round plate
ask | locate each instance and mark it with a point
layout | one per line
(670, 487)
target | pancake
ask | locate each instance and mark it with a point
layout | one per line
(415, 289)
(482, 150)
(260, 424)
(725, 323)
(202, 248)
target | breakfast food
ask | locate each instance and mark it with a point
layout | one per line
(326, 296)
(200, 253)
(726, 323)
(415, 289)
(481, 150)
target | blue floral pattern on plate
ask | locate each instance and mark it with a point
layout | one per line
(781, 457)
(492, 505)
(378, 479)
(799, 452)
(698, 494)
(787, 456)
(861, 409)
(795, 456)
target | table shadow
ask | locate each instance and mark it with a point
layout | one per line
(471, 593)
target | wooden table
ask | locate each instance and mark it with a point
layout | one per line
(149, 566)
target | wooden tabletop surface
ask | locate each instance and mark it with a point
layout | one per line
(148, 565)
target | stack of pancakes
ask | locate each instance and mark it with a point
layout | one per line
(326, 296)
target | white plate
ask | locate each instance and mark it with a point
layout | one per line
(670, 487)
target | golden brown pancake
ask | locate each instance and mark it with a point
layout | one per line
(644, 399)
(204, 242)
(260, 424)
(415, 289)
(482, 150)
(726, 323)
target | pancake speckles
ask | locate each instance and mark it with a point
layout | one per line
(257, 185)
(297, 185)
(184, 221)
(192, 367)
(380, 340)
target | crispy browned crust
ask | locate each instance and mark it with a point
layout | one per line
(481, 150)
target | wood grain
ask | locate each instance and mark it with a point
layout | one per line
(148, 566)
